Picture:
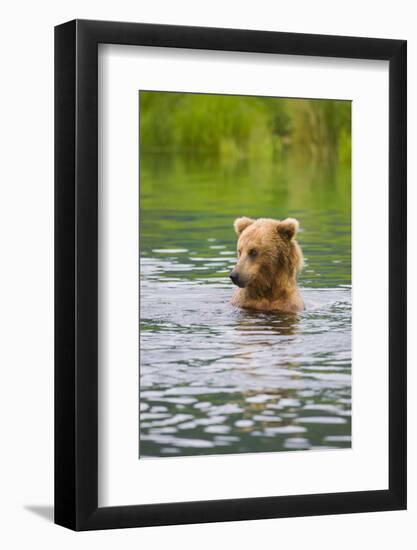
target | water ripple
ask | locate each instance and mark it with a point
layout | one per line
(215, 379)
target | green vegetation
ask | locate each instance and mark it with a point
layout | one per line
(243, 127)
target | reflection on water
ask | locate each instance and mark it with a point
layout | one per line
(215, 379)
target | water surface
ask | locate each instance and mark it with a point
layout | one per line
(215, 379)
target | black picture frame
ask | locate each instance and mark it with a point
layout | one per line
(76, 273)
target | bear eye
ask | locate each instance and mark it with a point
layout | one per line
(253, 253)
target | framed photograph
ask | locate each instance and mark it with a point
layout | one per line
(230, 252)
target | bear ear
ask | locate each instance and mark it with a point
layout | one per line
(240, 224)
(288, 228)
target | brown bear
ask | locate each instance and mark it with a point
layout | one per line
(269, 259)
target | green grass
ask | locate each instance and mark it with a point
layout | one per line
(239, 127)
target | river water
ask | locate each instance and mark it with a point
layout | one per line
(215, 379)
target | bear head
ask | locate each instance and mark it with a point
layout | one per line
(269, 257)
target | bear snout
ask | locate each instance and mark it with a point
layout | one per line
(236, 280)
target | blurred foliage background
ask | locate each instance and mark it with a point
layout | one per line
(245, 127)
